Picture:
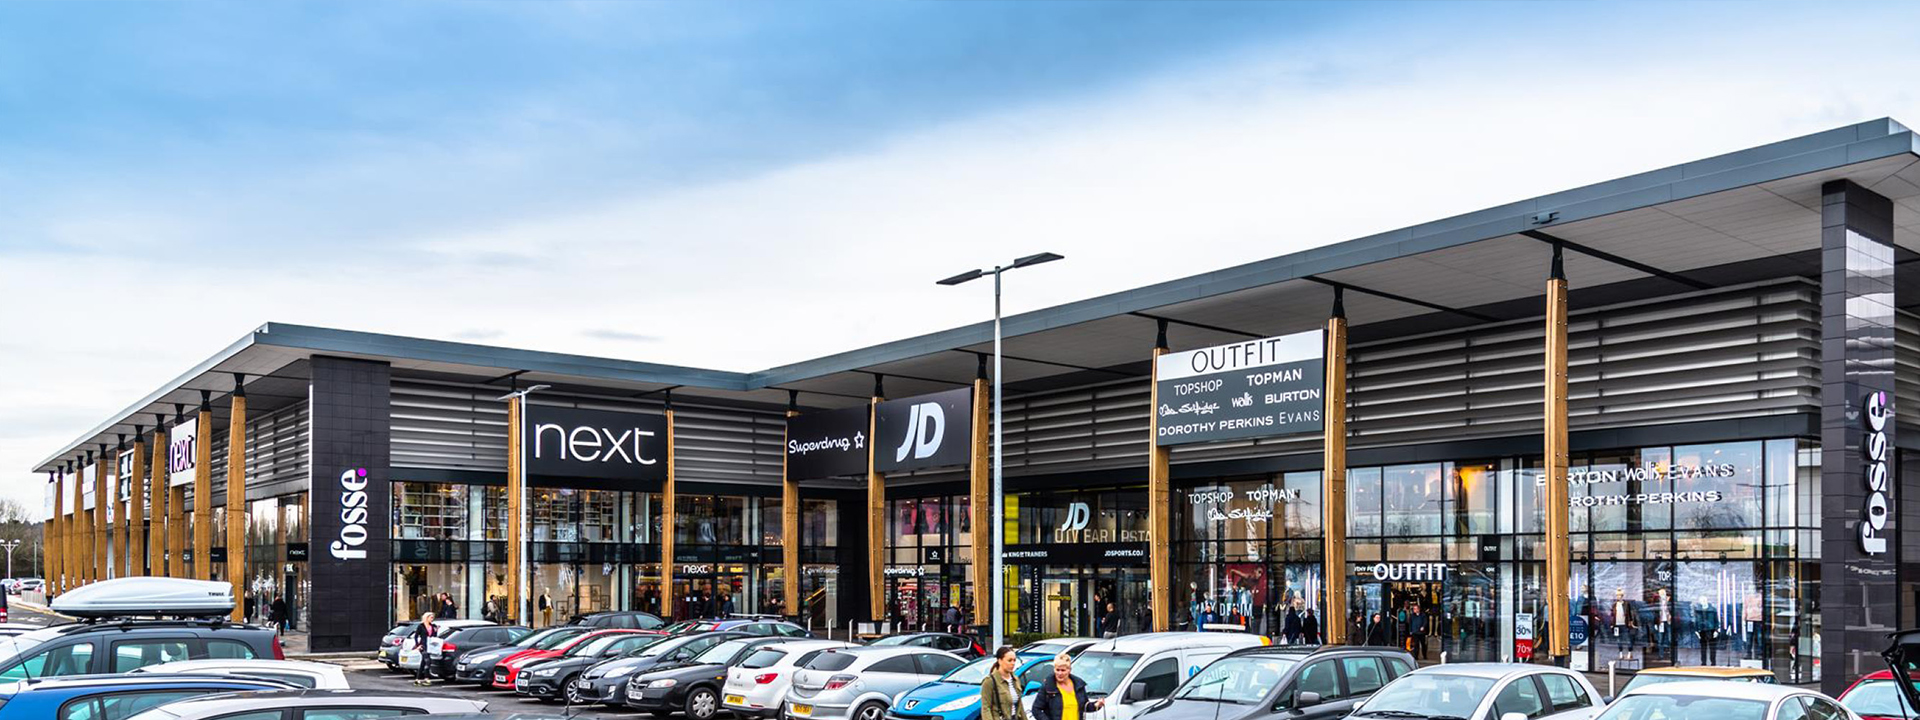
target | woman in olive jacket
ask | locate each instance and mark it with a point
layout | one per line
(999, 699)
(1052, 702)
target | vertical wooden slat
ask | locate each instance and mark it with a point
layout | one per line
(516, 488)
(1159, 510)
(157, 497)
(177, 532)
(80, 553)
(790, 527)
(57, 538)
(203, 497)
(669, 523)
(136, 510)
(981, 474)
(97, 564)
(1333, 487)
(237, 503)
(876, 523)
(1559, 553)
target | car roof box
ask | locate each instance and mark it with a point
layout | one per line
(154, 596)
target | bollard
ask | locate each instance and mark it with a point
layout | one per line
(1610, 677)
(1443, 657)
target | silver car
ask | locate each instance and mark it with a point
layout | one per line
(860, 683)
(251, 704)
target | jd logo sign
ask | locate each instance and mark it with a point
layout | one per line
(571, 442)
(928, 431)
(1078, 515)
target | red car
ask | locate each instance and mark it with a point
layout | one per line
(508, 669)
(1876, 697)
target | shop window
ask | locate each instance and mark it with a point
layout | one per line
(1299, 516)
(1472, 498)
(600, 516)
(430, 511)
(1363, 502)
(1411, 499)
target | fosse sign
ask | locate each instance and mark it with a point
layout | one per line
(353, 517)
(1259, 388)
(571, 442)
(924, 432)
(1875, 413)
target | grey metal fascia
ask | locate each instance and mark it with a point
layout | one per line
(1839, 147)
(125, 415)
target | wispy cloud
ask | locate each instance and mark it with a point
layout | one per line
(619, 335)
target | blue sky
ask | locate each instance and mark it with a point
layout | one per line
(744, 184)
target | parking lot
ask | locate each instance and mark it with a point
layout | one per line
(369, 674)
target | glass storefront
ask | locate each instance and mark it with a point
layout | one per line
(1081, 561)
(928, 563)
(1247, 551)
(275, 563)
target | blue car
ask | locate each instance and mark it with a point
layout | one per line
(956, 695)
(104, 697)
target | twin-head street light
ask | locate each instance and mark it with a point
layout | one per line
(996, 527)
(521, 577)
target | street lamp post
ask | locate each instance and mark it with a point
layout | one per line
(998, 526)
(9, 545)
(522, 578)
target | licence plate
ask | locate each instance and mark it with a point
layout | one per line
(802, 710)
(736, 700)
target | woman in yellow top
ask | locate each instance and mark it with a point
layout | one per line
(1065, 698)
(999, 698)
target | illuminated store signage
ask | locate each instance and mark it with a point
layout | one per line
(181, 453)
(1408, 571)
(1258, 388)
(827, 444)
(1875, 413)
(353, 517)
(571, 442)
(1075, 528)
(927, 431)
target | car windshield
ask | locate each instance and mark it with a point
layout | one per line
(657, 648)
(1240, 680)
(720, 654)
(1428, 695)
(1103, 670)
(894, 640)
(595, 646)
(558, 638)
(971, 673)
(533, 638)
(1877, 697)
(1657, 706)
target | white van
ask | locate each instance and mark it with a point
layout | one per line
(1135, 671)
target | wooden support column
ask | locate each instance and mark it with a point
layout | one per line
(177, 541)
(157, 500)
(669, 524)
(203, 493)
(80, 553)
(1333, 480)
(516, 528)
(876, 516)
(980, 473)
(237, 498)
(1559, 553)
(56, 537)
(136, 508)
(790, 519)
(1159, 502)
(98, 563)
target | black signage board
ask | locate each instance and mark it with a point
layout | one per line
(1128, 554)
(296, 552)
(350, 503)
(216, 554)
(827, 444)
(927, 431)
(1258, 388)
(572, 442)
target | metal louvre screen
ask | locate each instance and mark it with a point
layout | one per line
(1734, 352)
(276, 453)
(1906, 367)
(727, 444)
(448, 426)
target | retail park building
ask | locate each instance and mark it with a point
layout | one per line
(1738, 361)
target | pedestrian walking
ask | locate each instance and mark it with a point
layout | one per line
(999, 698)
(448, 611)
(420, 634)
(1417, 629)
(1290, 626)
(1379, 631)
(1064, 696)
(1310, 627)
(277, 614)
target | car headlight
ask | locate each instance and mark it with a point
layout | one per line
(545, 672)
(662, 683)
(960, 703)
(622, 671)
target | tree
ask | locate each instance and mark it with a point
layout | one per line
(17, 523)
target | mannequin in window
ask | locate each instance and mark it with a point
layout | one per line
(1706, 624)
(1662, 620)
(1623, 623)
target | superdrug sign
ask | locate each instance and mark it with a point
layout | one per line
(827, 444)
(571, 442)
(1875, 413)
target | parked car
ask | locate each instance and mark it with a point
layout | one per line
(1289, 682)
(960, 645)
(413, 654)
(548, 679)
(292, 672)
(1072, 646)
(1657, 676)
(692, 686)
(389, 652)
(1486, 690)
(607, 681)
(756, 687)
(112, 696)
(10, 629)
(620, 620)
(29, 585)
(1875, 696)
(749, 625)
(956, 695)
(1135, 671)
(310, 704)
(1713, 700)
(443, 651)
(859, 683)
(506, 672)
(477, 666)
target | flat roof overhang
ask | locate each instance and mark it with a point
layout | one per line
(1723, 220)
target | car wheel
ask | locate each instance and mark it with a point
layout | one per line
(702, 704)
(573, 693)
(869, 711)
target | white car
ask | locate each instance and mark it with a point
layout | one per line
(1138, 671)
(410, 655)
(1485, 690)
(755, 687)
(325, 676)
(1720, 700)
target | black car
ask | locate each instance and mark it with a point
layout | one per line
(957, 644)
(440, 663)
(546, 679)
(476, 666)
(390, 643)
(693, 686)
(1285, 682)
(607, 682)
(121, 645)
(619, 620)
